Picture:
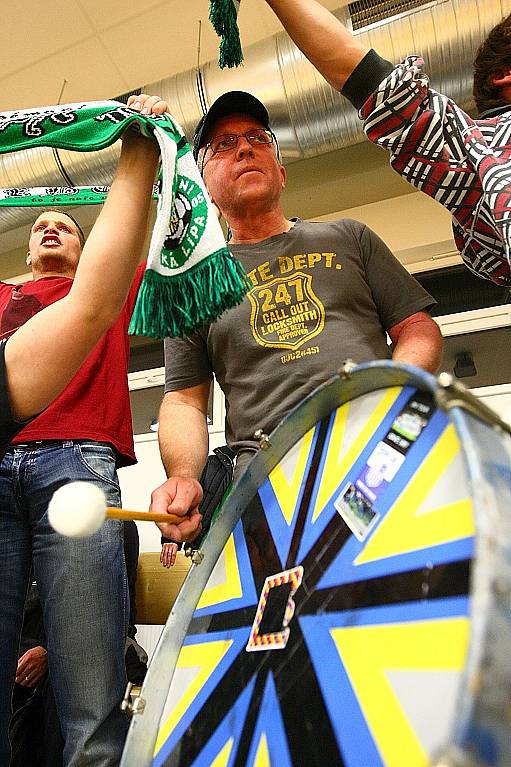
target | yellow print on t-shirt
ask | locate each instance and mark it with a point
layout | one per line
(286, 313)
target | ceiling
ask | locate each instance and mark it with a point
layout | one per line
(95, 49)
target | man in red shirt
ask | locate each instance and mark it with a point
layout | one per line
(95, 405)
(83, 435)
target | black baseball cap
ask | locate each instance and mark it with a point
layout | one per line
(229, 103)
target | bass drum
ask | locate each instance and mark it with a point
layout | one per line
(353, 606)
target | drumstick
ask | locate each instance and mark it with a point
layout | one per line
(143, 516)
(78, 510)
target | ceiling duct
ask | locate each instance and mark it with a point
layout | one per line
(308, 116)
(363, 13)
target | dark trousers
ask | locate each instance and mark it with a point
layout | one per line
(34, 731)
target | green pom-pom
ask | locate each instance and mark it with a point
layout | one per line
(223, 15)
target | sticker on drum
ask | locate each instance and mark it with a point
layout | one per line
(356, 510)
(360, 611)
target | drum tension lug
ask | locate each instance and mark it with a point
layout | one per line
(263, 439)
(195, 555)
(347, 368)
(445, 380)
(132, 703)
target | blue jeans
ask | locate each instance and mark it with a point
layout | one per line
(83, 590)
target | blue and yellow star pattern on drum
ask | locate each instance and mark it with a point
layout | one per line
(334, 629)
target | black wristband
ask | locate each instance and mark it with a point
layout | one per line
(365, 78)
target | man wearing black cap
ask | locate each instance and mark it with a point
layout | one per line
(320, 293)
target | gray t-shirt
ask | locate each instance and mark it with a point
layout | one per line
(321, 293)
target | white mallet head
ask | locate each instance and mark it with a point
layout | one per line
(77, 509)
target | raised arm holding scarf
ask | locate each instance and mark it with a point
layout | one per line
(191, 277)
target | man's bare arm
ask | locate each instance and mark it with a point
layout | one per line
(321, 37)
(417, 341)
(183, 438)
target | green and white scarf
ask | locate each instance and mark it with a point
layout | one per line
(223, 15)
(191, 277)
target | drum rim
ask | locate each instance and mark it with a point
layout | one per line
(488, 584)
(336, 391)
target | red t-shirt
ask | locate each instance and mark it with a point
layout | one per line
(96, 404)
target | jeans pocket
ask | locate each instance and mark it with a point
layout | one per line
(99, 461)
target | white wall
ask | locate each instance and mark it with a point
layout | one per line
(137, 482)
(498, 398)
(416, 229)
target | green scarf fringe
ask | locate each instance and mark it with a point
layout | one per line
(222, 14)
(197, 297)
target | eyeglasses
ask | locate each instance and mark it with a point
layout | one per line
(228, 141)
